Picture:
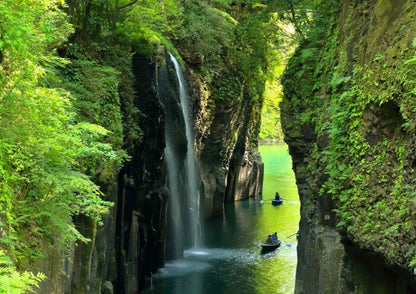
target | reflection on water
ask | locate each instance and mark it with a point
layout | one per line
(230, 260)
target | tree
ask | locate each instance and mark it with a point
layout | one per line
(42, 147)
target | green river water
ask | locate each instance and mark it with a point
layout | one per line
(230, 261)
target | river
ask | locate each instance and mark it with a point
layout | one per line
(230, 261)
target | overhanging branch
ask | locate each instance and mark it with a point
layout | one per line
(126, 5)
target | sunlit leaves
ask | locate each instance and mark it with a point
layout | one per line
(207, 35)
(43, 149)
(150, 23)
(16, 282)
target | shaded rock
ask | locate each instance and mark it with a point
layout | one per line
(107, 288)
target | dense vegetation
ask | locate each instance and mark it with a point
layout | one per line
(45, 150)
(68, 121)
(67, 118)
(271, 129)
(357, 93)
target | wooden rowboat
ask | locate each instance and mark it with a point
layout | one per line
(277, 202)
(269, 247)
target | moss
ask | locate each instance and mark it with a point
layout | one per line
(357, 85)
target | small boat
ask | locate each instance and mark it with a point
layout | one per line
(276, 202)
(265, 248)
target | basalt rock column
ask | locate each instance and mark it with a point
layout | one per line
(141, 201)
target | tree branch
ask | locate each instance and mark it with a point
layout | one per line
(117, 9)
(126, 5)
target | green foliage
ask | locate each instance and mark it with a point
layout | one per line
(92, 19)
(95, 91)
(229, 49)
(40, 31)
(149, 25)
(298, 13)
(363, 101)
(270, 118)
(46, 150)
(15, 282)
(206, 36)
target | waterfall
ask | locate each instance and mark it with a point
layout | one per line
(183, 211)
(191, 167)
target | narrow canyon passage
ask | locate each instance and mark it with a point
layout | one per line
(229, 261)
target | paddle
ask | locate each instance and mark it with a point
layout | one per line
(267, 201)
(292, 235)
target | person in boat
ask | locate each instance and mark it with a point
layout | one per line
(274, 238)
(277, 196)
(269, 240)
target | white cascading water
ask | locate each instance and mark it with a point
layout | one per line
(183, 212)
(174, 201)
(175, 219)
(191, 166)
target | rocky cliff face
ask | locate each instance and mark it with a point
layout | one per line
(226, 141)
(141, 203)
(347, 120)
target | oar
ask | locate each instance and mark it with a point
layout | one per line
(267, 201)
(292, 235)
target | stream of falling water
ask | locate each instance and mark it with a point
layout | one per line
(191, 166)
(182, 170)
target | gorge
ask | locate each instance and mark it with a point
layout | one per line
(127, 126)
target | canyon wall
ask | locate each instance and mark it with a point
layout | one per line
(226, 142)
(142, 197)
(348, 118)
